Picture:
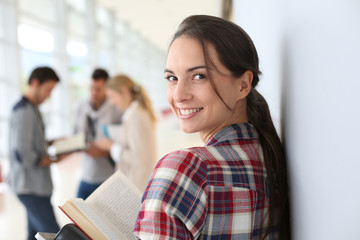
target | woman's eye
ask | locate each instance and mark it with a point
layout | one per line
(170, 78)
(199, 76)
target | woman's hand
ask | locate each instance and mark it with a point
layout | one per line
(100, 148)
(104, 144)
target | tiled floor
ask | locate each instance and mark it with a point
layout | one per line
(66, 178)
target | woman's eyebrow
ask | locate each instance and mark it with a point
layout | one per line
(167, 70)
(197, 67)
(188, 70)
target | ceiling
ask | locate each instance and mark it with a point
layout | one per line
(157, 20)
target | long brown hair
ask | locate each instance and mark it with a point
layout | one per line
(137, 91)
(237, 52)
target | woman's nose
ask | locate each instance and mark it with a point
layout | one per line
(182, 91)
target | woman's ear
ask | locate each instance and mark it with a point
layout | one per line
(245, 81)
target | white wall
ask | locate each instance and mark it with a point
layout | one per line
(315, 47)
(262, 21)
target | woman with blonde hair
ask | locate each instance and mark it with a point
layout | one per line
(133, 144)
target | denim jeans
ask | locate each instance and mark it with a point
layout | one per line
(85, 189)
(40, 215)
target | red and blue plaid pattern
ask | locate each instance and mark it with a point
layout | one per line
(212, 192)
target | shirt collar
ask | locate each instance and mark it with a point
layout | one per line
(100, 111)
(238, 131)
(103, 103)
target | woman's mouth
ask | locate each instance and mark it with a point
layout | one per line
(189, 112)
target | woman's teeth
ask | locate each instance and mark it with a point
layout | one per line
(189, 111)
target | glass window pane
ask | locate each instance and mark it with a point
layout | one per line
(4, 138)
(74, 48)
(103, 16)
(8, 96)
(43, 9)
(79, 5)
(120, 28)
(29, 60)
(3, 99)
(77, 24)
(104, 38)
(35, 39)
(105, 58)
(2, 61)
(78, 71)
(13, 95)
(79, 78)
(1, 21)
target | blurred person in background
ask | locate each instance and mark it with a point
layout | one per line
(133, 145)
(91, 116)
(29, 176)
(235, 187)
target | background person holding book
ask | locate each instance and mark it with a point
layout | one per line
(29, 176)
(235, 187)
(91, 116)
(133, 145)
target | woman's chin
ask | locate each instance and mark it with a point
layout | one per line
(188, 129)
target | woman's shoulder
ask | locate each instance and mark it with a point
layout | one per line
(186, 152)
(135, 111)
(182, 164)
(187, 157)
(138, 117)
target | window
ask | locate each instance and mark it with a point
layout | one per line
(35, 39)
(43, 10)
(1, 22)
(73, 37)
(105, 38)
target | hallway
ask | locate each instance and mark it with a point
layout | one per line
(66, 177)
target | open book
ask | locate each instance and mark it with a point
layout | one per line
(67, 145)
(109, 212)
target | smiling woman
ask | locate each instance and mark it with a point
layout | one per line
(191, 93)
(235, 187)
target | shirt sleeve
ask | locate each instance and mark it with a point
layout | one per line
(115, 151)
(174, 204)
(22, 132)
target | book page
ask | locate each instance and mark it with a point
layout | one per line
(118, 201)
(96, 220)
(68, 144)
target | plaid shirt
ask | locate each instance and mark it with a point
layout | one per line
(212, 192)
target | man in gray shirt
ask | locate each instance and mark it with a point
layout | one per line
(91, 117)
(29, 176)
